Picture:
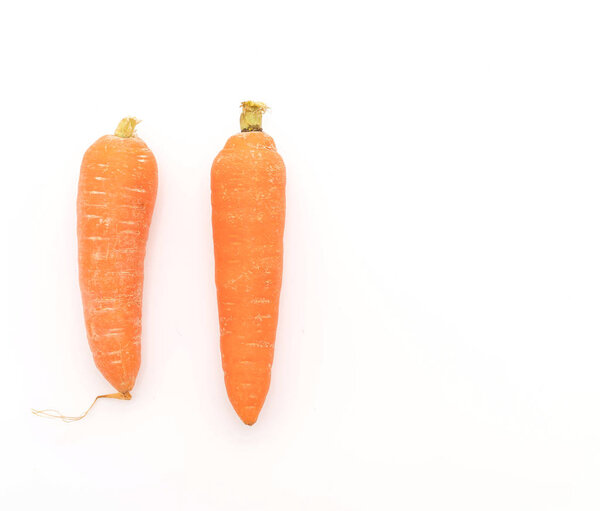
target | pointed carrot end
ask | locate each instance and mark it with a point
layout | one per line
(248, 414)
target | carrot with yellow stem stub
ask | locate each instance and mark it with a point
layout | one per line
(117, 190)
(248, 216)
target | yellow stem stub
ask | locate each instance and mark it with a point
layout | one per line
(126, 128)
(55, 414)
(251, 118)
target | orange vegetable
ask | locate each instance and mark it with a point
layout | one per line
(117, 191)
(248, 215)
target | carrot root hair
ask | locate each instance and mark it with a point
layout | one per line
(50, 413)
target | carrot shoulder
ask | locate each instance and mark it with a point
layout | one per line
(117, 191)
(248, 215)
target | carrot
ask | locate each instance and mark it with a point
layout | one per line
(117, 191)
(248, 215)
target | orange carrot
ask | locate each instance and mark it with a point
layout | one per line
(248, 215)
(117, 191)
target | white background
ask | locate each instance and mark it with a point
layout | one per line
(438, 347)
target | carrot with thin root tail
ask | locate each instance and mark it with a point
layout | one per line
(117, 191)
(248, 216)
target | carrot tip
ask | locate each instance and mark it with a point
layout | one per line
(249, 417)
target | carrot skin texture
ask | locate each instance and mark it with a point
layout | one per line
(248, 216)
(117, 191)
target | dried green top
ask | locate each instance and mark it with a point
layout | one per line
(251, 118)
(126, 128)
